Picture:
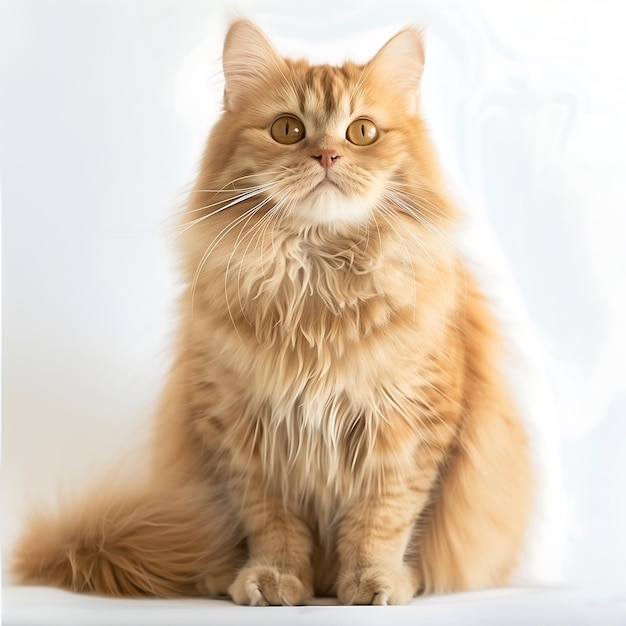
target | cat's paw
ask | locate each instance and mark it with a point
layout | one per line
(263, 585)
(376, 585)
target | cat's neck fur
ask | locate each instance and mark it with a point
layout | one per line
(319, 285)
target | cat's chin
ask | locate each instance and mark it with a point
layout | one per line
(329, 205)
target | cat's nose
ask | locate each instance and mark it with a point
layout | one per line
(326, 157)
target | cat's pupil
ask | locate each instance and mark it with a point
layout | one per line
(287, 128)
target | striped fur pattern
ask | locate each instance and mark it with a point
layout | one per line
(335, 421)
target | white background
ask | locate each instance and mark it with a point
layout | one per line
(104, 107)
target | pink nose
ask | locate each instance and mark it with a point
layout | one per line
(326, 157)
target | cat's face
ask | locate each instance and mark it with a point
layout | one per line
(325, 144)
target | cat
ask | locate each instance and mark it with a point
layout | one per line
(336, 421)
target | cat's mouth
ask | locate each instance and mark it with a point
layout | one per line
(326, 183)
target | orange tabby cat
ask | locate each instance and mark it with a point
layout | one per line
(335, 421)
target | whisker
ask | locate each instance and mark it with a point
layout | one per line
(230, 203)
(216, 241)
(408, 255)
(416, 213)
(420, 200)
(262, 226)
(240, 238)
(239, 178)
(435, 266)
(397, 200)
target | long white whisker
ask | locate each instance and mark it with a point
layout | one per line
(432, 228)
(410, 261)
(396, 199)
(216, 241)
(261, 226)
(242, 234)
(432, 261)
(242, 195)
(420, 200)
(231, 203)
(232, 182)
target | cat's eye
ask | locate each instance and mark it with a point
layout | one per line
(362, 132)
(287, 129)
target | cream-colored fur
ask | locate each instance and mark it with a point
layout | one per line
(335, 421)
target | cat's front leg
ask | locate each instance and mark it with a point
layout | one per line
(373, 541)
(280, 546)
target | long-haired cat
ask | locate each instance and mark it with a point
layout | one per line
(335, 421)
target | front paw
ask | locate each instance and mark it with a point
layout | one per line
(377, 585)
(263, 585)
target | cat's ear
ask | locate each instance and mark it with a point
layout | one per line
(398, 66)
(249, 59)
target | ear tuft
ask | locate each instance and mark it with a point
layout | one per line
(399, 64)
(248, 60)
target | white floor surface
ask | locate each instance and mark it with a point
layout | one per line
(571, 606)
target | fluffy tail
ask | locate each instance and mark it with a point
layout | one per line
(477, 529)
(156, 541)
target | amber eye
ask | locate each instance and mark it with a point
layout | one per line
(362, 132)
(287, 129)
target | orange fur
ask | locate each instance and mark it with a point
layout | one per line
(335, 421)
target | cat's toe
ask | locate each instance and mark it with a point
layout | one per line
(376, 585)
(263, 585)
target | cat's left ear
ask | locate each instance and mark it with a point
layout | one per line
(399, 64)
(249, 62)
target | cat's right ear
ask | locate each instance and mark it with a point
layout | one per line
(249, 60)
(398, 66)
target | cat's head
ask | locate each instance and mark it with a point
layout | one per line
(319, 143)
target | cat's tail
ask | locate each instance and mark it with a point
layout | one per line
(156, 540)
(475, 534)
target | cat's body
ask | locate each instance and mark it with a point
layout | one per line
(335, 421)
